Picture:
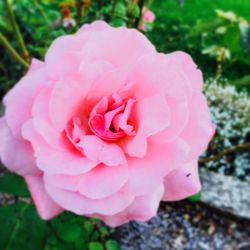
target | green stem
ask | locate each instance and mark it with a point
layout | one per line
(225, 152)
(6, 44)
(113, 8)
(79, 10)
(137, 21)
(16, 30)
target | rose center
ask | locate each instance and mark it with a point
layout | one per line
(110, 118)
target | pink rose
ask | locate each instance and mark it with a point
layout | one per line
(106, 127)
(147, 17)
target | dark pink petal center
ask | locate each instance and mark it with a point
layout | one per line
(109, 119)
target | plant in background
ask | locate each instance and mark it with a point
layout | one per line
(230, 112)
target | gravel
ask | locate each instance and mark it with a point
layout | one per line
(186, 226)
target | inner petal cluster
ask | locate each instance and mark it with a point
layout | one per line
(110, 118)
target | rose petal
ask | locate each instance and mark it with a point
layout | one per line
(16, 154)
(143, 208)
(182, 182)
(95, 26)
(112, 42)
(20, 98)
(45, 206)
(52, 160)
(199, 128)
(156, 120)
(79, 204)
(98, 183)
(97, 150)
(146, 173)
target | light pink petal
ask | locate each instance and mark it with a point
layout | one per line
(53, 160)
(97, 150)
(182, 182)
(153, 117)
(145, 174)
(184, 62)
(79, 204)
(98, 183)
(41, 120)
(112, 40)
(59, 53)
(95, 26)
(199, 129)
(78, 87)
(35, 64)
(179, 115)
(143, 208)
(16, 154)
(66, 63)
(71, 90)
(106, 84)
(45, 206)
(20, 98)
(167, 78)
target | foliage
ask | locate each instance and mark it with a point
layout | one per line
(42, 21)
(230, 112)
(215, 33)
(23, 229)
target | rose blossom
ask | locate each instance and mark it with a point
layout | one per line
(106, 127)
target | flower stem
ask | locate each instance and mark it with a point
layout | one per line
(79, 6)
(114, 8)
(138, 19)
(6, 44)
(225, 152)
(16, 30)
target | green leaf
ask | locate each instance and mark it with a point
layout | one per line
(89, 227)
(22, 228)
(95, 246)
(112, 245)
(13, 184)
(194, 198)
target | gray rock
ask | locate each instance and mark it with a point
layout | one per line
(226, 193)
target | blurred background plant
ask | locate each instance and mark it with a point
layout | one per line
(230, 111)
(215, 33)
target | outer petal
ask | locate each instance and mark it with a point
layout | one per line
(46, 207)
(20, 98)
(146, 173)
(16, 154)
(52, 160)
(76, 86)
(155, 73)
(143, 208)
(112, 40)
(182, 182)
(79, 204)
(99, 183)
(95, 26)
(184, 62)
(35, 64)
(199, 129)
